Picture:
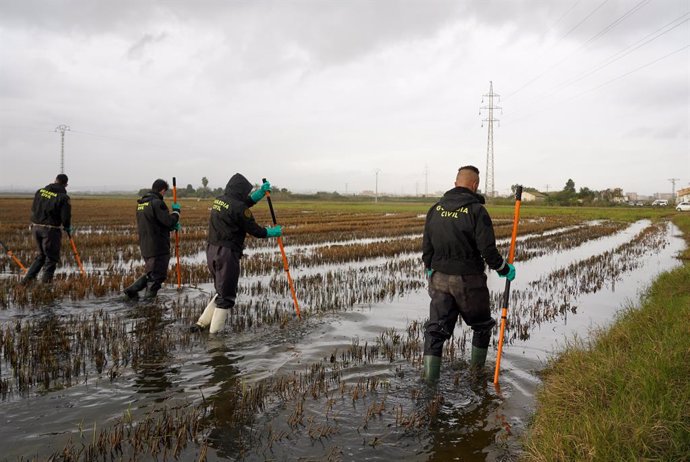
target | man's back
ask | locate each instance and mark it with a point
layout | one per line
(51, 206)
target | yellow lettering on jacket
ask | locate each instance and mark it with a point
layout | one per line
(451, 213)
(219, 205)
(141, 207)
(45, 194)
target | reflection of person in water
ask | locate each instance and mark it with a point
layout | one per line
(228, 418)
(153, 360)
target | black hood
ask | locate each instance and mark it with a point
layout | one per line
(238, 187)
(460, 197)
(56, 188)
(149, 196)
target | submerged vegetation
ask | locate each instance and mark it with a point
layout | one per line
(76, 332)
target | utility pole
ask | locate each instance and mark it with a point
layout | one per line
(376, 192)
(490, 187)
(62, 129)
(673, 190)
(426, 180)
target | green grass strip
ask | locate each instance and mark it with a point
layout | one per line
(624, 394)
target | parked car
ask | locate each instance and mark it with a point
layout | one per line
(683, 207)
(660, 203)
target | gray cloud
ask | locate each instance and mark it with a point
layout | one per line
(317, 94)
(137, 49)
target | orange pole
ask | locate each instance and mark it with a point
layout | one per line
(506, 292)
(177, 241)
(285, 261)
(76, 255)
(287, 272)
(11, 255)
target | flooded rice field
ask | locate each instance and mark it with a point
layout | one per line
(85, 375)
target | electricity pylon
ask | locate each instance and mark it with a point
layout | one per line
(489, 181)
(62, 129)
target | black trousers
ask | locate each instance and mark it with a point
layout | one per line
(156, 270)
(224, 265)
(453, 295)
(48, 241)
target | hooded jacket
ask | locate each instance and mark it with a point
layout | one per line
(459, 236)
(51, 207)
(154, 223)
(231, 218)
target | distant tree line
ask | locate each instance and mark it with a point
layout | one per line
(203, 191)
(585, 196)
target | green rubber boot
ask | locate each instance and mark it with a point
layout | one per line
(478, 357)
(432, 368)
(132, 291)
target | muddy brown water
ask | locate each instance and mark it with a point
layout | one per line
(472, 420)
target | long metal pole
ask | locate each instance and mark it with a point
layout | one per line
(76, 254)
(282, 252)
(506, 292)
(177, 241)
(11, 255)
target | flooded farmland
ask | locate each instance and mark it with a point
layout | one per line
(87, 376)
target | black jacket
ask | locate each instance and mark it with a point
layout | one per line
(459, 236)
(52, 207)
(154, 223)
(231, 218)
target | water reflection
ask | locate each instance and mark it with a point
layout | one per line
(153, 363)
(226, 419)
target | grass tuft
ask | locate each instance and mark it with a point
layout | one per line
(624, 394)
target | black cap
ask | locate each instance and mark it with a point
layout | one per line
(61, 179)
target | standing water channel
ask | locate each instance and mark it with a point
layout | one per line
(97, 377)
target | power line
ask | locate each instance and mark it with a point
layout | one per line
(621, 54)
(634, 70)
(599, 34)
(565, 14)
(620, 19)
(613, 80)
(125, 140)
(585, 19)
(617, 56)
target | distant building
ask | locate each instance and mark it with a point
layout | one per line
(683, 195)
(533, 196)
(633, 196)
(665, 196)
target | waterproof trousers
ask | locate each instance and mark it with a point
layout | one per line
(224, 264)
(156, 271)
(453, 295)
(48, 241)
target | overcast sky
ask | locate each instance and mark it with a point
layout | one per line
(318, 95)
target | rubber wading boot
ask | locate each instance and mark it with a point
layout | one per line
(133, 290)
(47, 278)
(478, 357)
(150, 293)
(432, 368)
(218, 321)
(206, 316)
(33, 271)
